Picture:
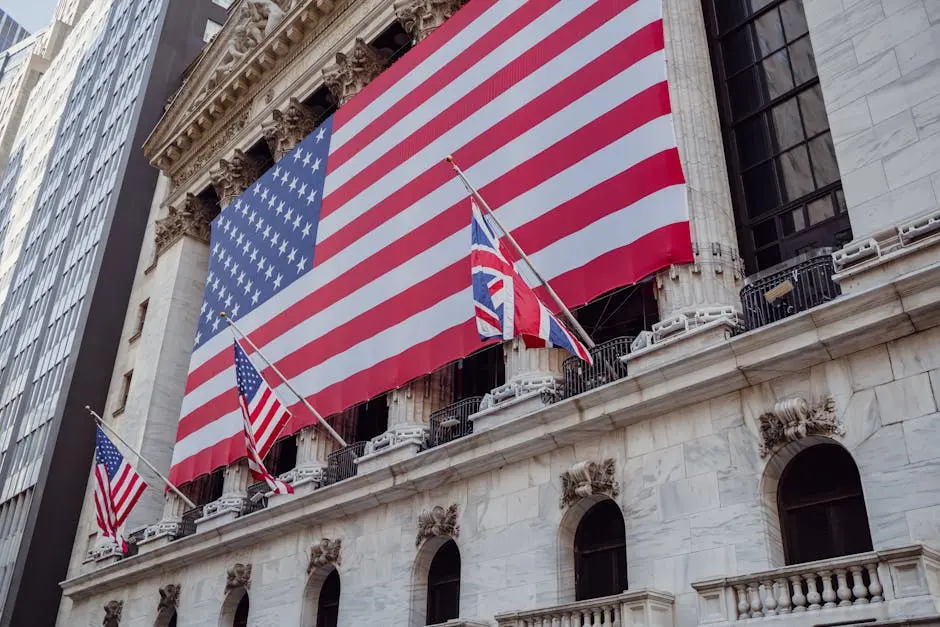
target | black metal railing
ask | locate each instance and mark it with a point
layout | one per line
(133, 541)
(788, 288)
(453, 422)
(341, 464)
(188, 521)
(256, 497)
(581, 376)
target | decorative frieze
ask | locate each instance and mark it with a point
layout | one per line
(437, 522)
(420, 17)
(198, 163)
(238, 576)
(589, 478)
(193, 219)
(324, 554)
(169, 598)
(288, 127)
(235, 175)
(794, 418)
(112, 613)
(353, 71)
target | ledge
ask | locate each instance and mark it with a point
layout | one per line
(851, 323)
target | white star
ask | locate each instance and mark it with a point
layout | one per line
(302, 190)
(264, 193)
(210, 315)
(215, 285)
(277, 171)
(283, 248)
(292, 255)
(269, 272)
(271, 201)
(277, 281)
(301, 264)
(241, 277)
(280, 208)
(296, 221)
(288, 215)
(267, 232)
(198, 338)
(274, 239)
(228, 301)
(320, 134)
(254, 254)
(293, 183)
(312, 196)
(307, 158)
(234, 232)
(298, 154)
(224, 225)
(222, 293)
(306, 230)
(241, 238)
(255, 297)
(228, 262)
(251, 218)
(215, 250)
(235, 310)
(259, 224)
(261, 263)
(284, 177)
(248, 286)
(215, 324)
(246, 247)
(204, 305)
(256, 188)
(316, 164)
(234, 268)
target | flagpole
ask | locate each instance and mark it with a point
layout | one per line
(548, 288)
(102, 424)
(290, 387)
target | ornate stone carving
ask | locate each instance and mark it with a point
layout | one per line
(238, 576)
(112, 613)
(421, 17)
(169, 597)
(326, 552)
(288, 128)
(437, 522)
(588, 478)
(353, 71)
(795, 418)
(193, 220)
(234, 176)
(228, 131)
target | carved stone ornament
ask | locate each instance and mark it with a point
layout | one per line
(588, 478)
(353, 71)
(169, 597)
(193, 220)
(324, 553)
(420, 17)
(794, 418)
(437, 522)
(112, 613)
(198, 163)
(238, 576)
(235, 175)
(288, 128)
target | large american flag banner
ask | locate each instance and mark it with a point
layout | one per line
(117, 489)
(347, 262)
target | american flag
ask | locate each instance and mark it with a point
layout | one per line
(347, 262)
(117, 488)
(504, 305)
(263, 418)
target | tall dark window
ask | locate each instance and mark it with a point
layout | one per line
(328, 605)
(282, 457)
(371, 418)
(206, 488)
(822, 510)
(600, 553)
(480, 372)
(241, 612)
(784, 177)
(444, 585)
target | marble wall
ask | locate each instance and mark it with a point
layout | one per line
(692, 491)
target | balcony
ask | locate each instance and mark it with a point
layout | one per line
(788, 288)
(341, 464)
(648, 608)
(581, 377)
(453, 422)
(866, 587)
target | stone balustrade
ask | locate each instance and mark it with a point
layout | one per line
(861, 586)
(633, 608)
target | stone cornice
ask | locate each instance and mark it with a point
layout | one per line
(846, 325)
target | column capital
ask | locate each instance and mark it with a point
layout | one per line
(353, 71)
(235, 175)
(420, 17)
(288, 127)
(192, 220)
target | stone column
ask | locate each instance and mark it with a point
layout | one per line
(314, 445)
(288, 127)
(235, 482)
(529, 370)
(235, 175)
(170, 525)
(711, 284)
(410, 408)
(353, 71)
(421, 17)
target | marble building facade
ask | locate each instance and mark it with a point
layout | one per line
(700, 460)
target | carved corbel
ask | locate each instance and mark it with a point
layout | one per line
(437, 522)
(288, 127)
(324, 553)
(588, 478)
(238, 576)
(353, 71)
(420, 18)
(794, 418)
(112, 613)
(235, 175)
(193, 219)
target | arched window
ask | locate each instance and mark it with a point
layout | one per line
(444, 585)
(822, 510)
(328, 605)
(600, 553)
(241, 612)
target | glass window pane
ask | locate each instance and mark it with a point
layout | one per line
(820, 210)
(824, 160)
(753, 141)
(793, 221)
(729, 13)
(765, 233)
(743, 93)
(814, 111)
(840, 201)
(760, 189)
(795, 172)
(768, 33)
(788, 130)
(794, 19)
(775, 71)
(738, 51)
(768, 257)
(804, 64)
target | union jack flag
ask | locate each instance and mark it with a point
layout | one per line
(117, 489)
(263, 416)
(503, 303)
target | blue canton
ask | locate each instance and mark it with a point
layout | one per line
(264, 240)
(106, 453)
(245, 374)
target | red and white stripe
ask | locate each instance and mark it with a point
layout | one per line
(114, 500)
(557, 111)
(258, 423)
